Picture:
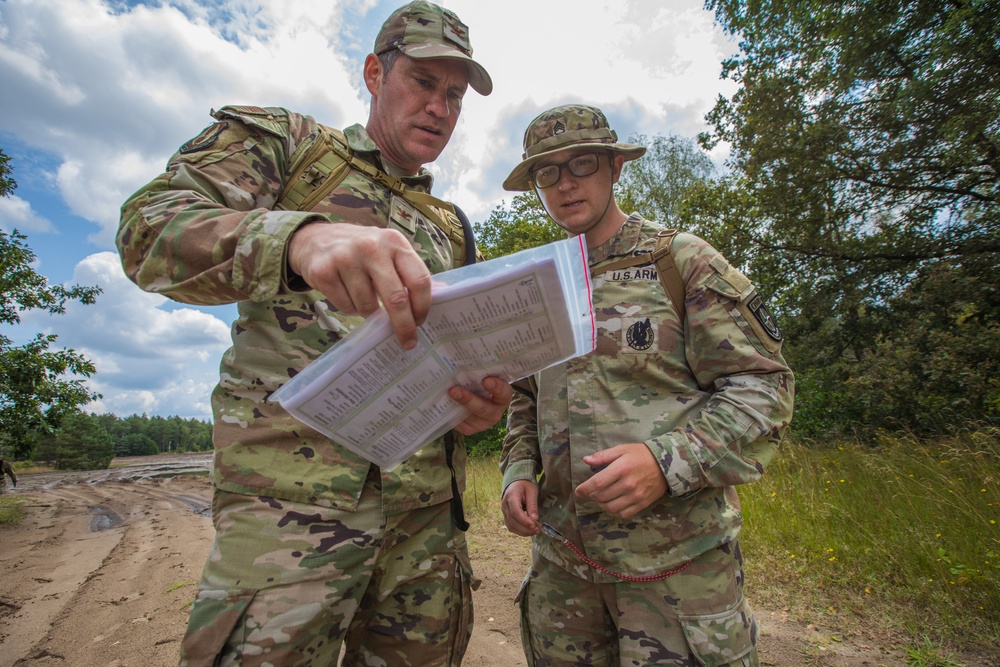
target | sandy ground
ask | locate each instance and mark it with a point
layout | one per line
(103, 569)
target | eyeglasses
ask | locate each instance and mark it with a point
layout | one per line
(580, 165)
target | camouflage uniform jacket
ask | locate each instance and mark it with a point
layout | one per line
(697, 393)
(206, 232)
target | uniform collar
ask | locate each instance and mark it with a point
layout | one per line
(364, 147)
(624, 242)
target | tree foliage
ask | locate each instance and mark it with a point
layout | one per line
(522, 225)
(863, 189)
(659, 183)
(80, 443)
(89, 441)
(39, 385)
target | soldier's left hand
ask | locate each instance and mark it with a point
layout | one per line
(630, 479)
(483, 412)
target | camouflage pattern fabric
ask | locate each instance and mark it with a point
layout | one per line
(285, 582)
(569, 126)
(696, 393)
(422, 29)
(699, 615)
(205, 232)
(710, 397)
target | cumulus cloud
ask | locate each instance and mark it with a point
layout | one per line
(16, 213)
(150, 357)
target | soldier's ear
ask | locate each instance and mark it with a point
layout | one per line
(373, 73)
(617, 163)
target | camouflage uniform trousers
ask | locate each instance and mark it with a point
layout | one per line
(695, 618)
(290, 584)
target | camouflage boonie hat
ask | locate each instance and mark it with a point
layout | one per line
(570, 126)
(421, 29)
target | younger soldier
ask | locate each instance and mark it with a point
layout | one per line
(639, 444)
(307, 229)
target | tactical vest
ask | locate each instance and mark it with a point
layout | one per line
(319, 168)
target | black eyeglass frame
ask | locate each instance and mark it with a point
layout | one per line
(567, 163)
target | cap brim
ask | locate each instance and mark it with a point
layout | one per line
(479, 78)
(519, 180)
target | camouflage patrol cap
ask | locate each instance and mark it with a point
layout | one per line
(569, 126)
(422, 29)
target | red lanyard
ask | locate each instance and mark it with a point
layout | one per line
(558, 537)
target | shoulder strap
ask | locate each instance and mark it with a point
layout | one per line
(666, 267)
(323, 165)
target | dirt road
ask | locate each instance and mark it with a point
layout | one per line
(103, 569)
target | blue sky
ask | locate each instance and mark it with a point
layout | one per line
(97, 94)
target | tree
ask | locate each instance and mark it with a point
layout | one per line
(522, 225)
(136, 444)
(658, 183)
(863, 188)
(80, 443)
(39, 386)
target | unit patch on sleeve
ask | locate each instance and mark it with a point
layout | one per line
(763, 322)
(204, 140)
(638, 334)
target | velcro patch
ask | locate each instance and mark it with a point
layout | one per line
(456, 31)
(646, 273)
(764, 324)
(403, 214)
(205, 140)
(638, 334)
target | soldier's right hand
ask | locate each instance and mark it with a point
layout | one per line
(520, 508)
(357, 267)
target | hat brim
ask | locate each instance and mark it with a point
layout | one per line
(519, 180)
(479, 78)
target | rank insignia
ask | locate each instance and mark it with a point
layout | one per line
(457, 32)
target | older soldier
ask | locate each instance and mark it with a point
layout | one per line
(635, 559)
(315, 548)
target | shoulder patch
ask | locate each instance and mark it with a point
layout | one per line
(763, 323)
(272, 120)
(207, 137)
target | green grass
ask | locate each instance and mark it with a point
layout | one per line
(902, 537)
(10, 510)
(482, 490)
(179, 584)
(898, 540)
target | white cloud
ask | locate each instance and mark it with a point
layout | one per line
(148, 358)
(16, 213)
